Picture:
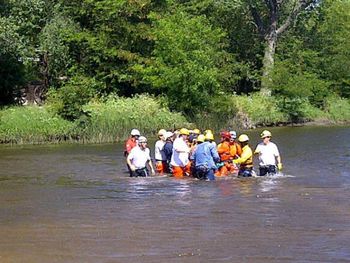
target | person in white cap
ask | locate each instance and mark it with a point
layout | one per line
(168, 150)
(235, 147)
(159, 155)
(268, 155)
(132, 141)
(138, 159)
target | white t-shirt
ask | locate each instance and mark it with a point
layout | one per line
(180, 156)
(157, 150)
(139, 157)
(267, 153)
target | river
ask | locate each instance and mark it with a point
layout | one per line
(76, 203)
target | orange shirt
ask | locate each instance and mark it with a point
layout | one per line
(129, 144)
(224, 151)
(235, 150)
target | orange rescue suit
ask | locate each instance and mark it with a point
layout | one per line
(235, 150)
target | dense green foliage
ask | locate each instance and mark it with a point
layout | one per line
(203, 58)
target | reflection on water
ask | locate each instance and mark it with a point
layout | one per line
(76, 203)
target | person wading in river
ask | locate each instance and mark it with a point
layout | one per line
(159, 155)
(180, 158)
(246, 159)
(268, 154)
(204, 158)
(130, 143)
(138, 159)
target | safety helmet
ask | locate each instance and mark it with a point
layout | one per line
(209, 137)
(225, 135)
(208, 131)
(135, 132)
(196, 131)
(265, 133)
(184, 131)
(161, 132)
(200, 138)
(233, 134)
(168, 134)
(142, 139)
(243, 138)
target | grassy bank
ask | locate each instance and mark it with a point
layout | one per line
(112, 118)
(105, 120)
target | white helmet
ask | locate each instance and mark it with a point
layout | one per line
(142, 139)
(135, 132)
(233, 134)
(168, 134)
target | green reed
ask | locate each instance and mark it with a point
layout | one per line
(32, 124)
(113, 118)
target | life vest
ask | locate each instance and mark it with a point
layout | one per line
(235, 150)
(224, 151)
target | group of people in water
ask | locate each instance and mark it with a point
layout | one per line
(190, 153)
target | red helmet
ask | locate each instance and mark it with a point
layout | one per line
(225, 135)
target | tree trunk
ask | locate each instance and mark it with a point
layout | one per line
(268, 63)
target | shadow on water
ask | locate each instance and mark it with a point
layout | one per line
(76, 203)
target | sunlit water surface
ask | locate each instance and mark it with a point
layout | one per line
(76, 203)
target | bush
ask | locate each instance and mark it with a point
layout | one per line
(112, 118)
(68, 101)
(32, 125)
(338, 109)
(256, 110)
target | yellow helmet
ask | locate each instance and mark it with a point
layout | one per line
(265, 133)
(196, 131)
(243, 138)
(184, 131)
(208, 131)
(200, 138)
(161, 132)
(209, 136)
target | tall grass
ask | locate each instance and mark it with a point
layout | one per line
(338, 109)
(256, 110)
(32, 124)
(113, 118)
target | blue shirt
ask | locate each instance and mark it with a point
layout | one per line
(168, 151)
(205, 154)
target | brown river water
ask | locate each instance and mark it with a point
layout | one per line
(76, 203)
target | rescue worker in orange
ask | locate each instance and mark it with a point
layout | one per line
(246, 159)
(235, 147)
(225, 156)
(130, 143)
(180, 162)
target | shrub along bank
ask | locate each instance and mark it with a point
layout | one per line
(111, 119)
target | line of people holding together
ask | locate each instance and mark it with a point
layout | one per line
(190, 153)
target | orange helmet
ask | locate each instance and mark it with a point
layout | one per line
(226, 135)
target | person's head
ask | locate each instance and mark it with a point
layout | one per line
(184, 133)
(266, 136)
(209, 137)
(142, 142)
(169, 136)
(225, 136)
(135, 133)
(243, 139)
(233, 135)
(200, 138)
(196, 132)
(161, 134)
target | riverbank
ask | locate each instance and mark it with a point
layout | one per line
(111, 120)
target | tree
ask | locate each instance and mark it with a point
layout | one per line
(187, 61)
(272, 18)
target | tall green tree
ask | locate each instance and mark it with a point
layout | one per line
(273, 18)
(187, 62)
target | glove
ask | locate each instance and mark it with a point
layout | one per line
(279, 166)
